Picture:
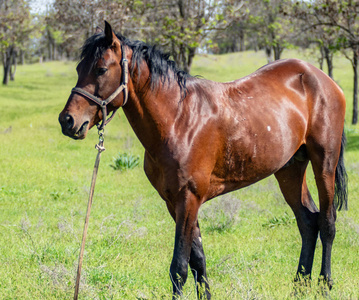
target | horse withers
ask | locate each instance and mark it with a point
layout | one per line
(203, 138)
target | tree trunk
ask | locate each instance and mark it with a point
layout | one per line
(355, 92)
(191, 54)
(329, 59)
(277, 52)
(13, 64)
(49, 50)
(55, 55)
(183, 58)
(241, 40)
(268, 50)
(321, 58)
(22, 57)
(6, 75)
(7, 64)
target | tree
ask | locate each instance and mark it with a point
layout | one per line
(181, 26)
(75, 20)
(271, 25)
(70, 22)
(232, 39)
(237, 34)
(178, 26)
(324, 36)
(15, 28)
(343, 16)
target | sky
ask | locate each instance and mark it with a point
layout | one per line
(39, 6)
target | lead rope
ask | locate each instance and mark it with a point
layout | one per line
(100, 149)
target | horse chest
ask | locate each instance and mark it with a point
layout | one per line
(163, 175)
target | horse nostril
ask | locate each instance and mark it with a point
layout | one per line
(69, 121)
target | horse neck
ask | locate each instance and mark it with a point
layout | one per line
(151, 112)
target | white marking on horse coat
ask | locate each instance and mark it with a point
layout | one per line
(255, 150)
(268, 128)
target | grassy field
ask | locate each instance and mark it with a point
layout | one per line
(250, 236)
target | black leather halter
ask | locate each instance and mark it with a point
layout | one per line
(103, 103)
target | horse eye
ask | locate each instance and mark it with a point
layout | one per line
(101, 71)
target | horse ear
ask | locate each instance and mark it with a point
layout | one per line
(112, 38)
(110, 35)
(98, 30)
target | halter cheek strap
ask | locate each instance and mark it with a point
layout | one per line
(103, 103)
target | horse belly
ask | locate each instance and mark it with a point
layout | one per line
(256, 153)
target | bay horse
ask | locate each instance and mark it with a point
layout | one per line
(203, 138)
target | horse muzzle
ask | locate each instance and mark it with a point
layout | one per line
(71, 129)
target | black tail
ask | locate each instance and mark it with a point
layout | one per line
(341, 180)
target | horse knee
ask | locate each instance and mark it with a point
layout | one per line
(197, 259)
(308, 223)
(327, 230)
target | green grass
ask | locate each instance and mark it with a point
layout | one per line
(251, 241)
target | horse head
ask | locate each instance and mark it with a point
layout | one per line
(101, 86)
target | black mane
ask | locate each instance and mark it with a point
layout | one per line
(160, 65)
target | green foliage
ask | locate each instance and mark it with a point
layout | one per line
(125, 161)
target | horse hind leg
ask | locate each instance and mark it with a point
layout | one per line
(292, 182)
(324, 163)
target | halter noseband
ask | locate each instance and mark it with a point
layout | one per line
(103, 103)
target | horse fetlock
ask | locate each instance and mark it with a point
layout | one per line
(203, 291)
(303, 278)
(178, 275)
(326, 283)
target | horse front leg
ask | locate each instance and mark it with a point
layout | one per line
(186, 211)
(197, 263)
